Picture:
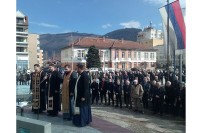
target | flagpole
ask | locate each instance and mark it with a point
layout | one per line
(180, 66)
(174, 62)
(168, 37)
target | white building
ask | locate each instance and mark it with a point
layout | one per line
(116, 54)
(154, 38)
(150, 35)
(22, 56)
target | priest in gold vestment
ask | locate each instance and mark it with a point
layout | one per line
(38, 89)
(68, 85)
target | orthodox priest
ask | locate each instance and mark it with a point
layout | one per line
(54, 81)
(38, 88)
(82, 113)
(68, 86)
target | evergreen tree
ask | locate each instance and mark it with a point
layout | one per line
(93, 59)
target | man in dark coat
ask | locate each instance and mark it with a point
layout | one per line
(158, 96)
(110, 87)
(118, 93)
(146, 88)
(95, 91)
(127, 94)
(103, 90)
(83, 115)
(37, 87)
(54, 81)
(169, 97)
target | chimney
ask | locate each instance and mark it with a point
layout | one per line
(104, 38)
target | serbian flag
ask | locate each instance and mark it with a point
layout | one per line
(177, 33)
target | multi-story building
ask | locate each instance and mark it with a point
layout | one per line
(35, 53)
(22, 56)
(154, 38)
(150, 36)
(41, 57)
(117, 54)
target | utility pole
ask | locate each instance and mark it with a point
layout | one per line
(104, 61)
(72, 50)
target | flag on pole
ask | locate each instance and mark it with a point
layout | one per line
(177, 33)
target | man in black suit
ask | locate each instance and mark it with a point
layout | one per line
(82, 116)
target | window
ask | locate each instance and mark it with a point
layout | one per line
(106, 54)
(146, 56)
(20, 39)
(117, 54)
(130, 65)
(81, 53)
(139, 55)
(21, 49)
(20, 20)
(106, 64)
(123, 54)
(116, 65)
(123, 65)
(101, 54)
(20, 29)
(152, 56)
(129, 54)
(135, 55)
(66, 54)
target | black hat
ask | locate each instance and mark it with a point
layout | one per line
(80, 65)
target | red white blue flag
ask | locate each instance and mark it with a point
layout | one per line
(177, 33)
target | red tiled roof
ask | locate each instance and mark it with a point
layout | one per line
(105, 43)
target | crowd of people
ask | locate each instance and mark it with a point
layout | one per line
(159, 91)
(22, 78)
(73, 92)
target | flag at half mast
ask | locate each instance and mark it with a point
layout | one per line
(177, 33)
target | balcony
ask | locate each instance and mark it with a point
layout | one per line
(22, 33)
(22, 53)
(21, 22)
(22, 43)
